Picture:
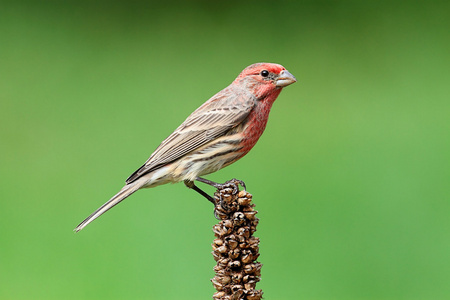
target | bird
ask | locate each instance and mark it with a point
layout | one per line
(217, 134)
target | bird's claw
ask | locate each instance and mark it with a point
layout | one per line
(233, 183)
(217, 200)
(241, 183)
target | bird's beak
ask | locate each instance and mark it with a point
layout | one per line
(285, 78)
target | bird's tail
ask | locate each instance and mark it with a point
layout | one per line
(126, 191)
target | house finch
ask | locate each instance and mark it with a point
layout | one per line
(218, 133)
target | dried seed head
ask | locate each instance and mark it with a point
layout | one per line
(235, 248)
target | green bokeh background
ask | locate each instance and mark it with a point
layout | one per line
(351, 178)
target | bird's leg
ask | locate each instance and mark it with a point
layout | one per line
(233, 182)
(191, 185)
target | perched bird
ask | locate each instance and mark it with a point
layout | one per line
(218, 133)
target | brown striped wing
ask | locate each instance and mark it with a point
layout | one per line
(213, 119)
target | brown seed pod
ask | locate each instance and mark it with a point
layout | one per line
(234, 264)
(234, 254)
(254, 295)
(236, 277)
(238, 219)
(250, 285)
(231, 243)
(218, 295)
(216, 256)
(237, 295)
(217, 285)
(250, 215)
(244, 201)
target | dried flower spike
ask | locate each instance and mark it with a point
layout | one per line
(235, 248)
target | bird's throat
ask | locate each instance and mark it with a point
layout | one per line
(257, 120)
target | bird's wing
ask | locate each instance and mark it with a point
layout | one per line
(222, 112)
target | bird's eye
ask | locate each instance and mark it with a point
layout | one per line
(264, 73)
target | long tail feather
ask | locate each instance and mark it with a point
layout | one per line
(126, 191)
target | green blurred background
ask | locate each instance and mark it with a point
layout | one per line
(351, 178)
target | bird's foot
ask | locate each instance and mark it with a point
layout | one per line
(226, 198)
(220, 203)
(233, 183)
